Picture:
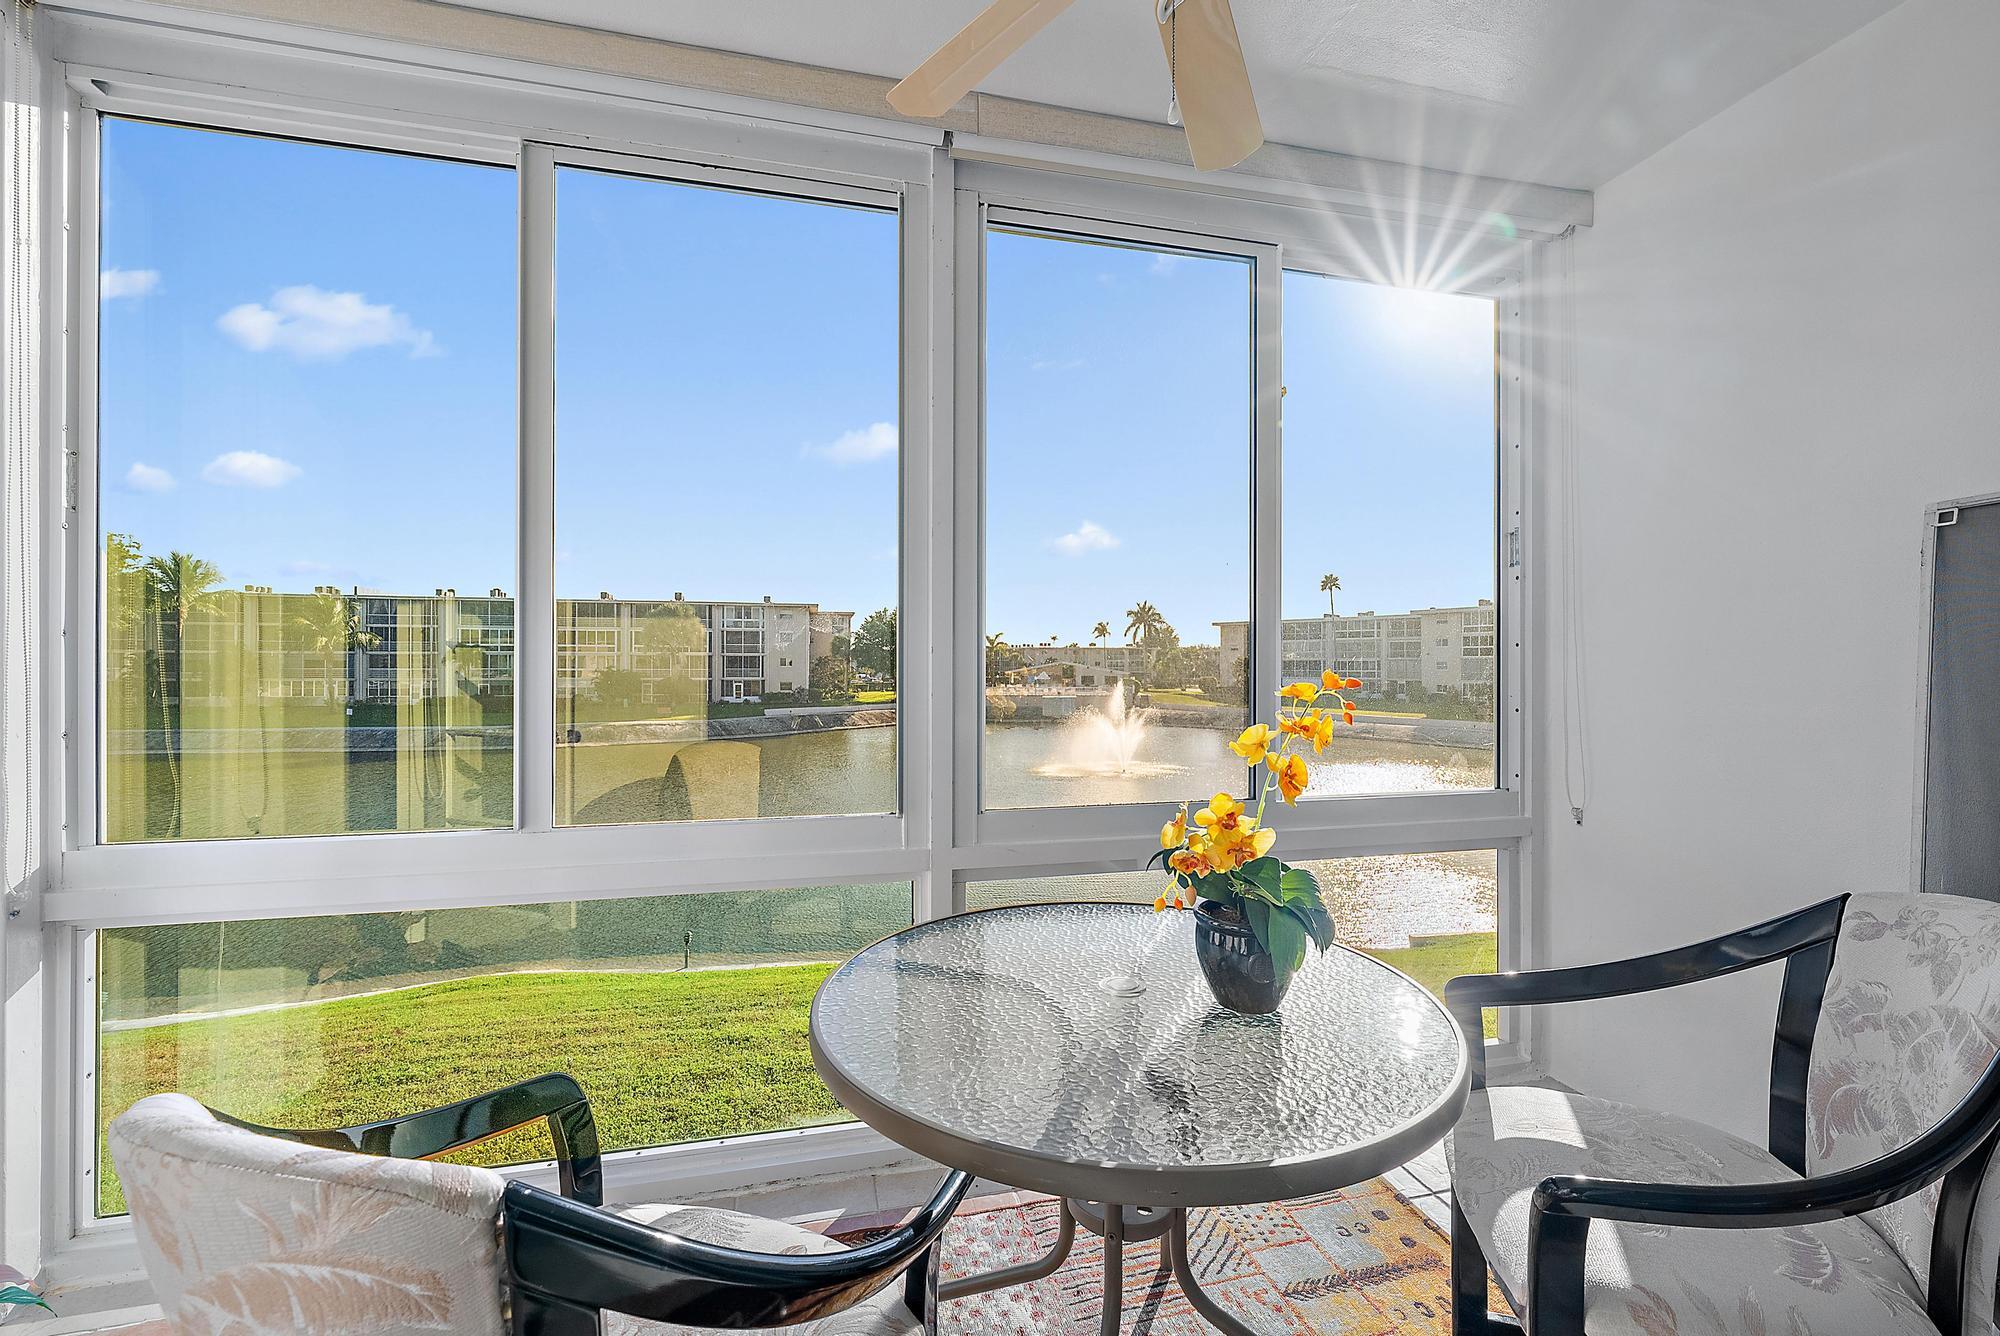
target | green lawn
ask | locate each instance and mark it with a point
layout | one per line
(1432, 961)
(1190, 699)
(664, 1057)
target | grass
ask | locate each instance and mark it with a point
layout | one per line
(664, 1057)
(875, 697)
(1432, 961)
(1190, 699)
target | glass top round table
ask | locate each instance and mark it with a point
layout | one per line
(999, 1043)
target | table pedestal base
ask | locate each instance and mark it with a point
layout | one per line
(1118, 1226)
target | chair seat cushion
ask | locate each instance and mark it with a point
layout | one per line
(881, 1314)
(1836, 1279)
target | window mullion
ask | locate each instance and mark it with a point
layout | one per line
(1266, 485)
(534, 611)
(929, 532)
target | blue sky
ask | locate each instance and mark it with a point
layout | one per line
(308, 376)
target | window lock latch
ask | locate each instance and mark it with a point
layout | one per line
(1514, 548)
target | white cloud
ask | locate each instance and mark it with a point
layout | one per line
(249, 468)
(315, 325)
(146, 478)
(1087, 537)
(115, 283)
(861, 446)
(1165, 264)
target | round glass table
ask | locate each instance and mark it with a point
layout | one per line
(1075, 1049)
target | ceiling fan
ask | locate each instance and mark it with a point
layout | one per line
(1211, 85)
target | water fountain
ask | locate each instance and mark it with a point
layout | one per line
(1104, 743)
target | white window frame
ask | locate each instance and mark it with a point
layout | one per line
(406, 99)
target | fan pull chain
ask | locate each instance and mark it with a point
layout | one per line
(1166, 12)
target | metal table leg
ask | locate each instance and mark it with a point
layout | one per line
(1177, 1252)
(1114, 1270)
(1118, 1225)
(1046, 1265)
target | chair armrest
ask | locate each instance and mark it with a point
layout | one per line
(1776, 939)
(1563, 1207)
(422, 1136)
(583, 1256)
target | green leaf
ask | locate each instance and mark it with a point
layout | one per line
(1259, 915)
(1287, 939)
(1298, 883)
(15, 1294)
(1265, 874)
(1319, 924)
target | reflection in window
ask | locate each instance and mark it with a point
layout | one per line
(307, 444)
(684, 1016)
(1390, 503)
(1117, 528)
(727, 372)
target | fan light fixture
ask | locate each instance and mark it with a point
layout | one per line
(1210, 97)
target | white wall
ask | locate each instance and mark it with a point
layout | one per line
(1788, 330)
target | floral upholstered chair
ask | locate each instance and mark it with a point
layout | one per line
(1874, 1210)
(261, 1232)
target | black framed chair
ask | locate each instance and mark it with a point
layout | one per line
(323, 1231)
(1873, 1209)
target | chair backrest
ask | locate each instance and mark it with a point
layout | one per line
(1911, 1019)
(248, 1234)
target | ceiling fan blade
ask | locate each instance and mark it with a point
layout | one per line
(1212, 84)
(1001, 29)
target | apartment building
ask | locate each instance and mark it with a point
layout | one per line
(366, 644)
(1430, 649)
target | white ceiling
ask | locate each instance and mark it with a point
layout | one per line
(1558, 92)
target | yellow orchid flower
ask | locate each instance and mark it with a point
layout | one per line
(1174, 833)
(1291, 775)
(1322, 732)
(1304, 691)
(1261, 841)
(1222, 811)
(1253, 743)
(1332, 681)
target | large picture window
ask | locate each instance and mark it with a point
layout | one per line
(670, 569)
(306, 455)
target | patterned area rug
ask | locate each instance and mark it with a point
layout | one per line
(1362, 1262)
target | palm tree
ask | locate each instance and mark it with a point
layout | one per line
(1143, 622)
(996, 657)
(1100, 633)
(178, 586)
(1328, 583)
(331, 624)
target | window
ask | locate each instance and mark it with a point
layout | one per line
(1118, 380)
(727, 373)
(1392, 392)
(566, 517)
(684, 1016)
(306, 438)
